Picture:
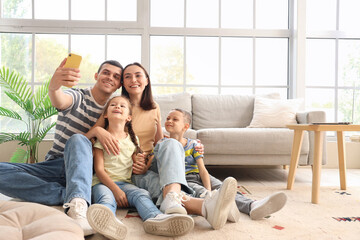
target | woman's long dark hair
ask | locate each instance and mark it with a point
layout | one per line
(147, 101)
(128, 125)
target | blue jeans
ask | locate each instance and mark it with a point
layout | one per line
(54, 181)
(168, 166)
(136, 197)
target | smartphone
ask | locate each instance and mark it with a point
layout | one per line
(73, 61)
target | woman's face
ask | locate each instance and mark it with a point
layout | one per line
(135, 80)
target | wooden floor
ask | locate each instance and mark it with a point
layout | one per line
(277, 176)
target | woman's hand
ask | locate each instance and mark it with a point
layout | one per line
(139, 165)
(108, 141)
(199, 147)
(120, 197)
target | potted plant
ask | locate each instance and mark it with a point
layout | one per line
(37, 107)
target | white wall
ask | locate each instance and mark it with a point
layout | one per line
(352, 153)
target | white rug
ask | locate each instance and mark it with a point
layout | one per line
(337, 216)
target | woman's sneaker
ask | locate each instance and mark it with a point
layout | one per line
(169, 225)
(103, 221)
(216, 206)
(173, 203)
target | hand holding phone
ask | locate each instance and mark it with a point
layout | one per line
(72, 61)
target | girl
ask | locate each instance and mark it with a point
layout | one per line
(112, 182)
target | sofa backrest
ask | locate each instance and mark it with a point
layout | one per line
(222, 111)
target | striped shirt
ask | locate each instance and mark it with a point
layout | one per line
(77, 118)
(191, 155)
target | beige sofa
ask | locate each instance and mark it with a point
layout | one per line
(220, 122)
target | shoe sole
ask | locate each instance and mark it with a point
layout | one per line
(175, 225)
(103, 221)
(222, 208)
(273, 204)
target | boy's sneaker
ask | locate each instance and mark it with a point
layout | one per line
(103, 220)
(267, 206)
(169, 225)
(234, 213)
(216, 206)
(172, 203)
(77, 210)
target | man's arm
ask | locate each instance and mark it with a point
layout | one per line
(62, 76)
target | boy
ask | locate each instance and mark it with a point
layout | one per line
(198, 178)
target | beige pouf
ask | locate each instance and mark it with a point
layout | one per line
(24, 220)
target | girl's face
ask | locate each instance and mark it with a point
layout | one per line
(118, 109)
(135, 80)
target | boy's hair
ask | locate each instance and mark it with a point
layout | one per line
(186, 114)
(111, 62)
(128, 125)
(147, 101)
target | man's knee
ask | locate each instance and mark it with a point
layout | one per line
(78, 139)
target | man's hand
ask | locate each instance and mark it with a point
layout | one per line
(64, 77)
(108, 141)
(199, 147)
(139, 165)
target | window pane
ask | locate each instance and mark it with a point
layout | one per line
(271, 61)
(50, 50)
(158, 90)
(233, 90)
(16, 9)
(349, 105)
(349, 63)
(320, 100)
(121, 10)
(165, 13)
(324, 8)
(124, 48)
(320, 62)
(87, 10)
(202, 90)
(51, 9)
(276, 18)
(167, 59)
(236, 61)
(16, 53)
(349, 17)
(202, 14)
(92, 50)
(202, 60)
(237, 13)
(264, 91)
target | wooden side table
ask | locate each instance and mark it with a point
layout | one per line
(318, 151)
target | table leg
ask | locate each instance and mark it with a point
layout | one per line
(342, 162)
(317, 166)
(295, 154)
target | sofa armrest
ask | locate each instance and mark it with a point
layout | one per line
(311, 117)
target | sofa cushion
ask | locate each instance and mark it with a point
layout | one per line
(167, 102)
(250, 141)
(24, 220)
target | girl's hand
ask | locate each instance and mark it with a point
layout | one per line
(121, 199)
(108, 141)
(139, 165)
(199, 147)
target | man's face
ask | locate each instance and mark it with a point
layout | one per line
(175, 123)
(108, 79)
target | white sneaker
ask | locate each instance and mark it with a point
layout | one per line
(172, 203)
(169, 225)
(77, 211)
(216, 206)
(103, 220)
(234, 213)
(267, 206)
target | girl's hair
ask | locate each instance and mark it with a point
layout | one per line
(128, 125)
(147, 101)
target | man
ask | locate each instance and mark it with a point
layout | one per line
(66, 174)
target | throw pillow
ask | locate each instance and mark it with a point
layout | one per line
(274, 112)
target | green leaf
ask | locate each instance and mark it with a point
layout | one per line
(41, 113)
(19, 156)
(41, 94)
(42, 133)
(23, 137)
(15, 84)
(9, 113)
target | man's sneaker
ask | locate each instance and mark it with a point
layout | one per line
(77, 210)
(267, 206)
(234, 213)
(103, 220)
(216, 206)
(172, 203)
(169, 225)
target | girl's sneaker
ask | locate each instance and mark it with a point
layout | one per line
(169, 225)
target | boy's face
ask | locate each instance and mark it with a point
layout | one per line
(175, 123)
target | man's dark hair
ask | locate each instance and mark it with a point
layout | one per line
(111, 62)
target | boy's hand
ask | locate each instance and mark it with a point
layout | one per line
(108, 141)
(139, 165)
(199, 147)
(64, 77)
